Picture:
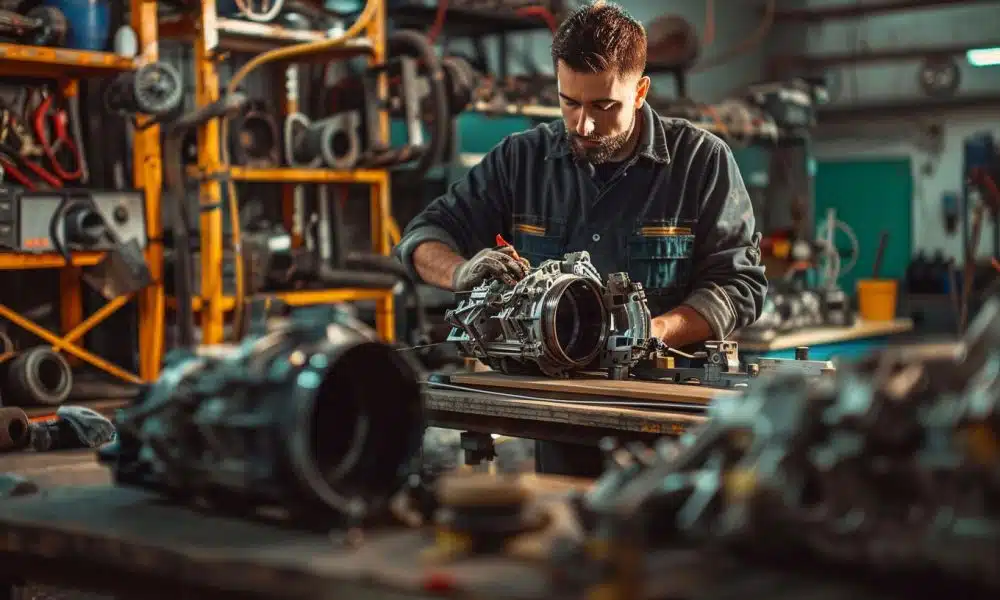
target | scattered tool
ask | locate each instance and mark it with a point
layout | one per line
(16, 150)
(51, 128)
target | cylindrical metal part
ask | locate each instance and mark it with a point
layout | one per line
(802, 353)
(84, 225)
(574, 321)
(35, 376)
(318, 418)
(15, 431)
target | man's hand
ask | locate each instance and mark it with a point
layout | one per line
(681, 327)
(492, 263)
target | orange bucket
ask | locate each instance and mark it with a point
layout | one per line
(877, 299)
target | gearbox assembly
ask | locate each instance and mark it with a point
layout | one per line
(560, 318)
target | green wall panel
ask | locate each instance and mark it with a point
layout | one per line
(871, 196)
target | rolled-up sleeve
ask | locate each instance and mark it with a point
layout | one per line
(469, 215)
(729, 285)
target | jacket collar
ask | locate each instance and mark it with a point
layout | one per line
(652, 138)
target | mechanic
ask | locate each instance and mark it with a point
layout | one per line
(655, 197)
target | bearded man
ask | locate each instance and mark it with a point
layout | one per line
(655, 197)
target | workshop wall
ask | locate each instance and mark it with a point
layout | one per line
(932, 140)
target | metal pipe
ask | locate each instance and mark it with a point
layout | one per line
(857, 10)
(807, 62)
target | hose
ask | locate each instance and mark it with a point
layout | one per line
(278, 54)
(417, 44)
(173, 175)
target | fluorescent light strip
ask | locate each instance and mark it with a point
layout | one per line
(983, 57)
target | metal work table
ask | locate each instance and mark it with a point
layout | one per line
(827, 343)
(128, 543)
(578, 411)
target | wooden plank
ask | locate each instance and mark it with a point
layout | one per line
(583, 385)
(830, 335)
(472, 406)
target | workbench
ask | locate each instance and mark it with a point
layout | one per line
(129, 543)
(566, 410)
(828, 343)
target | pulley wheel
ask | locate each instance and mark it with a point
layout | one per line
(158, 89)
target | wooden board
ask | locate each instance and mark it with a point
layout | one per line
(555, 420)
(830, 335)
(589, 386)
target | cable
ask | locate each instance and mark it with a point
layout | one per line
(279, 54)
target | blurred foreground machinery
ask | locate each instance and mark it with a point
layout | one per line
(891, 467)
(316, 421)
(560, 318)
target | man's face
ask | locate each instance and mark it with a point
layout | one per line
(599, 110)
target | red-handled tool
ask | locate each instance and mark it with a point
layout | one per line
(502, 242)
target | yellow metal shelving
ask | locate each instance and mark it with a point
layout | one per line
(66, 66)
(213, 36)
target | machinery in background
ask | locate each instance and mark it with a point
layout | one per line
(67, 221)
(349, 136)
(807, 295)
(721, 366)
(560, 318)
(155, 90)
(317, 421)
(889, 467)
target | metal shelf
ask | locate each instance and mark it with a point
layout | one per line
(302, 298)
(237, 35)
(522, 110)
(63, 63)
(293, 175)
(466, 22)
(12, 261)
(209, 34)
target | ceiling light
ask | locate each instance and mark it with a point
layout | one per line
(983, 57)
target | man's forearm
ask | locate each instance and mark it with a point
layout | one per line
(681, 327)
(435, 262)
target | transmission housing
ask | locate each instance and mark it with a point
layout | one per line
(560, 318)
(314, 421)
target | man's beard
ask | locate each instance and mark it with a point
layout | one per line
(607, 146)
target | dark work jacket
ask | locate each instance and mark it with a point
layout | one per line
(676, 216)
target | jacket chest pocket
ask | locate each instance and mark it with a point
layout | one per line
(661, 258)
(538, 239)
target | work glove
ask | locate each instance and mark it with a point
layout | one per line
(499, 263)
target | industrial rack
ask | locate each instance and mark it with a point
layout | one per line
(66, 67)
(212, 37)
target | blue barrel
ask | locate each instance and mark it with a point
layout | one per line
(89, 22)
